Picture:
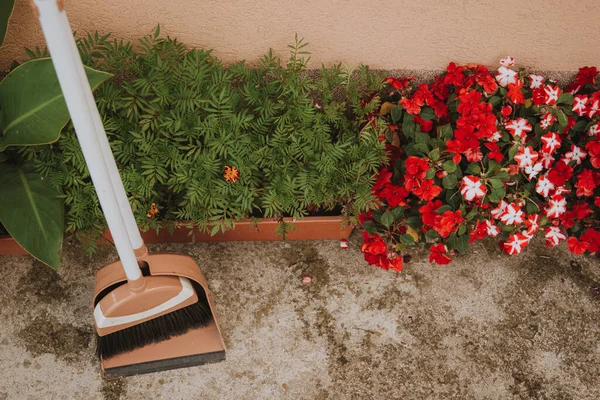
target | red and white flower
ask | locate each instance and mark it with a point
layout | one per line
(533, 224)
(512, 215)
(544, 186)
(506, 76)
(557, 206)
(507, 62)
(533, 170)
(499, 210)
(537, 81)
(491, 229)
(576, 154)
(554, 236)
(496, 136)
(515, 243)
(594, 129)
(547, 120)
(526, 157)
(580, 104)
(472, 188)
(519, 127)
(550, 142)
(546, 159)
(593, 108)
(552, 94)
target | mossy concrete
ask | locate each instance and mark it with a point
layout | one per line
(486, 326)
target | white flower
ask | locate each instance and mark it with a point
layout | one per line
(518, 127)
(557, 206)
(594, 129)
(550, 142)
(552, 94)
(498, 211)
(579, 104)
(507, 62)
(472, 188)
(546, 159)
(576, 154)
(512, 215)
(496, 136)
(554, 236)
(506, 76)
(544, 186)
(593, 108)
(526, 157)
(536, 81)
(533, 170)
(492, 230)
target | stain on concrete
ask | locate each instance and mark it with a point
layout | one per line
(43, 283)
(45, 334)
(113, 388)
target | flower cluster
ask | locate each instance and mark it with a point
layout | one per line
(477, 154)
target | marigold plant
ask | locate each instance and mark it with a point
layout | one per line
(474, 154)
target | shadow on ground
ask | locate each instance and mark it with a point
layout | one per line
(485, 327)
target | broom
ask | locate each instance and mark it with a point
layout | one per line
(148, 323)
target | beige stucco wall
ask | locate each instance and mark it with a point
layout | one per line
(548, 35)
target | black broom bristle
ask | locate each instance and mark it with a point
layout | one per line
(156, 330)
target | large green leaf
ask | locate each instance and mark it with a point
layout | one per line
(32, 213)
(32, 105)
(6, 8)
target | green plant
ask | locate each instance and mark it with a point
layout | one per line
(176, 118)
(32, 112)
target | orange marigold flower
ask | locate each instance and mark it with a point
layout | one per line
(231, 174)
(152, 211)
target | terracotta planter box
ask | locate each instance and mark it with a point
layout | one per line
(308, 228)
(8, 245)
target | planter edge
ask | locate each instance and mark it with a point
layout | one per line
(9, 246)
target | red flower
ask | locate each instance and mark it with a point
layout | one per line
(506, 111)
(426, 190)
(592, 237)
(576, 246)
(515, 94)
(437, 254)
(394, 195)
(400, 83)
(428, 212)
(384, 178)
(494, 153)
(560, 174)
(448, 222)
(426, 125)
(411, 106)
(538, 96)
(515, 243)
(454, 75)
(373, 244)
(585, 183)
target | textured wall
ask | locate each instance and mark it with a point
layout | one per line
(548, 35)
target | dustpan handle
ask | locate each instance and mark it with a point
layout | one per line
(130, 223)
(74, 92)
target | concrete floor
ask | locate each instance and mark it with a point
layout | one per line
(484, 327)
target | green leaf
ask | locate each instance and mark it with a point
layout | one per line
(387, 219)
(157, 31)
(435, 154)
(443, 209)
(503, 175)
(462, 229)
(449, 166)
(494, 100)
(498, 194)
(430, 173)
(474, 168)
(496, 183)
(414, 222)
(396, 113)
(407, 239)
(397, 213)
(6, 9)
(493, 166)
(422, 147)
(33, 107)
(566, 98)
(32, 212)
(462, 244)
(427, 113)
(431, 235)
(369, 226)
(408, 126)
(512, 151)
(563, 120)
(445, 132)
(449, 181)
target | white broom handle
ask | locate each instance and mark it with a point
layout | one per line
(132, 228)
(75, 97)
